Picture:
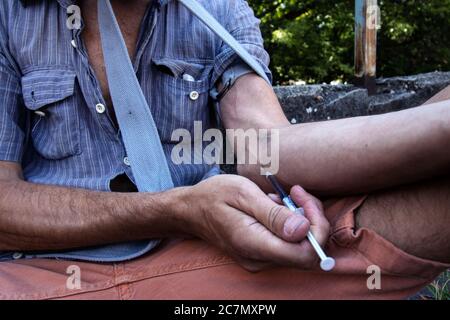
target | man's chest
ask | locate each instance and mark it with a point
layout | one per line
(59, 74)
(63, 75)
(129, 16)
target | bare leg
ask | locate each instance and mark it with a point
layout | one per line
(440, 96)
(416, 218)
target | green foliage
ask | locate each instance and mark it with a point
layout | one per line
(313, 40)
(440, 288)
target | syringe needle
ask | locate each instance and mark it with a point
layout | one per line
(326, 263)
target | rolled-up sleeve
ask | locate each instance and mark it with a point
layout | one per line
(244, 26)
(12, 116)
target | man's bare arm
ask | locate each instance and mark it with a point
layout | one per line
(230, 212)
(344, 156)
(39, 217)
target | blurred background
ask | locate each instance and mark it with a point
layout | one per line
(312, 41)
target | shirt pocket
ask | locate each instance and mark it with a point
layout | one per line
(55, 124)
(182, 95)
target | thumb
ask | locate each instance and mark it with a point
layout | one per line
(284, 223)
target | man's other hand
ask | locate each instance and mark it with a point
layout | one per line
(233, 213)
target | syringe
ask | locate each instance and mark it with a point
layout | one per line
(327, 263)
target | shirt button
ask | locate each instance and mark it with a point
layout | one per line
(17, 255)
(40, 113)
(100, 108)
(194, 95)
(127, 162)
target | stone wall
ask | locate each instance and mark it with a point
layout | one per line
(307, 103)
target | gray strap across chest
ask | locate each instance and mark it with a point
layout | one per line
(139, 132)
(200, 12)
(138, 128)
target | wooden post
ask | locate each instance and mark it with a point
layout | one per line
(366, 24)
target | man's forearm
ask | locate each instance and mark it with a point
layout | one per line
(368, 153)
(38, 217)
(349, 155)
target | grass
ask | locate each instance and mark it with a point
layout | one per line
(438, 289)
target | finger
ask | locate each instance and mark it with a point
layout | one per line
(314, 212)
(286, 224)
(265, 246)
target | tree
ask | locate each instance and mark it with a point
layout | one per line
(313, 40)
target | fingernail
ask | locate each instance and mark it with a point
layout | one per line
(292, 224)
(273, 196)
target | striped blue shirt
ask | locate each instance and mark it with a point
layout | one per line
(52, 115)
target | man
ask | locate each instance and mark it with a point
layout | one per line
(67, 185)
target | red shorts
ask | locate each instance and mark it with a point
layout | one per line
(193, 269)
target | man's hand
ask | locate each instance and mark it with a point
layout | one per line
(231, 212)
